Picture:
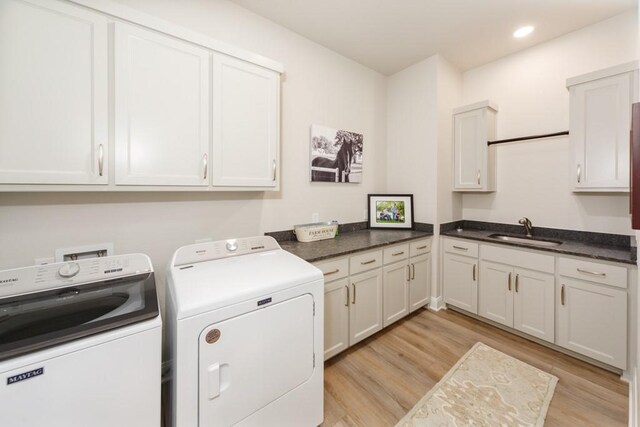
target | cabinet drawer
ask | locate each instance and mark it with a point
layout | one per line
(334, 269)
(612, 275)
(461, 247)
(518, 258)
(395, 253)
(365, 261)
(419, 247)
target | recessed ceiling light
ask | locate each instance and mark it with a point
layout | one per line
(523, 31)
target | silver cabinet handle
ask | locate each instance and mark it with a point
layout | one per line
(346, 304)
(562, 295)
(421, 247)
(517, 276)
(461, 248)
(579, 170)
(100, 159)
(474, 272)
(509, 281)
(274, 170)
(478, 176)
(413, 271)
(204, 165)
(594, 273)
(353, 301)
(397, 253)
(368, 262)
(328, 273)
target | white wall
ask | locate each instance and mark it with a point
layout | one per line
(412, 130)
(320, 87)
(529, 88)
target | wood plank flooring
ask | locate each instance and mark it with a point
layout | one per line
(376, 382)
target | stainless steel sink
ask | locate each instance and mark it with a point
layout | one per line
(525, 240)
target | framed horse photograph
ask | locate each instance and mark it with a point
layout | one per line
(336, 155)
(391, 211)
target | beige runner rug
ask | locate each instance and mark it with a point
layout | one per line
(486, 388)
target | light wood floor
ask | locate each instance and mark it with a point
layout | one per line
(377, 381)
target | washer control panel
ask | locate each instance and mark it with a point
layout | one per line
(62, 274)
(209, 251)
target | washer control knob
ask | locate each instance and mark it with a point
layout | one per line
(70, 269)
(232, 245)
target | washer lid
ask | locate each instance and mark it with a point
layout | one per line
(35, 321)
(205, 286)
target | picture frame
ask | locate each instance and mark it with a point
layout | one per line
(390, 211)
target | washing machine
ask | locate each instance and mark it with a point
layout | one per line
(245, 328)
(80, 344)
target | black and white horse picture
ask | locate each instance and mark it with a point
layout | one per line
(336, 155)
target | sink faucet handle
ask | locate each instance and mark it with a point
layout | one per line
(527, 225)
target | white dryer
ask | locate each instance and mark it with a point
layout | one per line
(245, 328)
(80, 344)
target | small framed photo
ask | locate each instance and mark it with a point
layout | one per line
(391, 211)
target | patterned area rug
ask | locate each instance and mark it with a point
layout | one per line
(486, 388)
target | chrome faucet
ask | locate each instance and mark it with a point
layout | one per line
(527, 226)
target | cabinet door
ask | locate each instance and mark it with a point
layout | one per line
(534, 309)
(395, 288)
(336, 317)
(593, 321)
(469, 149)
(246, 124)
(420, 282)
(53, 94)
(161, 109)
(495, 293)
(599, 132)
(365, 313)
(460, 282)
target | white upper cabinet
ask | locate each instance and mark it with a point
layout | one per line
(162, 114)
(600, 122)
(246, 120)
(474, 166)
(53, 94)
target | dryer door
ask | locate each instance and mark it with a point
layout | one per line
(249, 361)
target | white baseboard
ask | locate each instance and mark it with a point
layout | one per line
(436, 304)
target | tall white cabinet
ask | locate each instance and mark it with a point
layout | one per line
(474, 163)
(53, 94)
(162, 114)
(600, 122)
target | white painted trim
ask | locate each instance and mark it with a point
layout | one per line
(633, 399)
(436, 304)
(599, 74)
(476, 106)
(133, 16)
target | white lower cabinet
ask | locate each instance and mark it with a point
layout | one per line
(592, 316)
(519, 298)
(368, 291)
(460, 276)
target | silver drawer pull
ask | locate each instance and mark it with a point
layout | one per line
(578, 174)
(397, 253)
(422, 247)
(337, 270)
(205, 167)
(100, 159)
(461, 248)
(371, 261)
(275, 168)
(595, 273)
(478, 176)
(346, 304)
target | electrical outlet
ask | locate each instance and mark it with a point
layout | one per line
(44, 260)
(315, 217)
(83, 252)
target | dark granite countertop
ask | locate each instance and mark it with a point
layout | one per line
(572, 244)
(348, 243)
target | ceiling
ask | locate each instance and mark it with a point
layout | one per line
(389, 35)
